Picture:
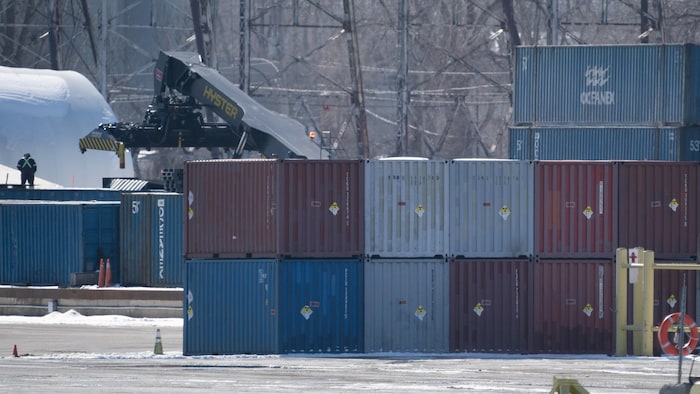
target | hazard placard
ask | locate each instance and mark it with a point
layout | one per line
(588, 309)
(504, 212)
(420, 312)
(334, 208)
(478, 309)
(588, 212)
(306, 312)
(420, 210)
(673, 204)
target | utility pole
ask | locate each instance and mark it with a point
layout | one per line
(357, 96)
(402, 80)
(553, 22)
(202, 21)
(244, 35)
(54, 39)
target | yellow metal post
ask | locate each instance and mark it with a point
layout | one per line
(120, 153)
(621, 305)
(638, 307)
(648, 304)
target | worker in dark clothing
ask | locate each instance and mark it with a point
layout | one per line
(27, 166)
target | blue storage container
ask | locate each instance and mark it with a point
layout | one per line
(321, 306)
(60, 194)
(230, 307)
(630, 85)
(43, 242)
(152, 239)
(101, 236)
(595, 143)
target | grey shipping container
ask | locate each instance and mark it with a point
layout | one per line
(407, 305)
(602, 143)
(230, 307)
(491, 208)
(490, 306)
(406, 208)
(151, 242)
(643, 85)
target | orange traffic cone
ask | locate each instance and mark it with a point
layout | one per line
(14, 352)
(101, 277)
(108, 276)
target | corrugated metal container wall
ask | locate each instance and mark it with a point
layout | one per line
(321, 304)
(592, 143)
(231, 307)
(406, 212)
(60, 194)
(659, 207)
(575, 209)
(151, 242)
(41, 242)
(572, 306)
(489, 305)
(322, 208)
(231, 208)
(491, 208)
(611, 85)
(407, 308)
(101, 236)
(689, 144)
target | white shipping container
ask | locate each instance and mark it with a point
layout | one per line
(407, 305)
(406, 208)
(491, 208)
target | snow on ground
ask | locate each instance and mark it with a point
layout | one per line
(72, 317)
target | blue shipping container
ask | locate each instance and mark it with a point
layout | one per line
(643, 85)
(321, 306)
(230, 307)
(152, 239)
(101, 236)
(60, 194)
(595, 143)
(43, 242)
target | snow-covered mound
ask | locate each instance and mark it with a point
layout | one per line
(45, 113)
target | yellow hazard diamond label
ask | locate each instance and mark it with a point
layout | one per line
(190, 312)
(478, 309)
(334, 208)
(588, 212)
(671, 301)
(420, 312)
(673, 205)
(420, 210)
(588, 309)
(190, 213)
(504, 212)
(306, 312)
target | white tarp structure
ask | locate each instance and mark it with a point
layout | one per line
(45, 113)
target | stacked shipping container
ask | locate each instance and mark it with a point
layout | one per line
(307, 218)
(629, 102)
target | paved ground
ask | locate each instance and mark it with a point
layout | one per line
(69, 359)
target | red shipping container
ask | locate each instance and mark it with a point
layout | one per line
(573, 303)
(489, 306)
(231, 208)
(668, 290)
(575, 209)
(259, 208)
(322, 208)
(659, 207)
